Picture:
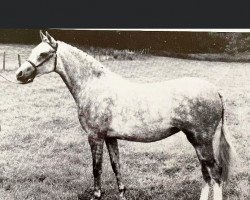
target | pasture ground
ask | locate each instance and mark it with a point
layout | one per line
(44, 154)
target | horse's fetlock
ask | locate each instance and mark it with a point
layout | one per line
(122, 188)
(97, 195)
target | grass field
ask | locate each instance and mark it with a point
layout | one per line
(44, 154)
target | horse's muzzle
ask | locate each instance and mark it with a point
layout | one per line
(25, 74)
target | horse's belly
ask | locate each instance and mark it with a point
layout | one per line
(138, 135)
(135, 129)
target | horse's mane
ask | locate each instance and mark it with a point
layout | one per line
(75, 50)
(71, 47)
(84, 57)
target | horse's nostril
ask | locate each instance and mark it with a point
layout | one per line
(19, 74)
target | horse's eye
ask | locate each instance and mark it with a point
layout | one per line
(43, 54)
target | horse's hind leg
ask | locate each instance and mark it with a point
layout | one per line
(211, 171)
(113, 150)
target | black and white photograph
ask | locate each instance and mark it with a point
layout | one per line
(124, 114)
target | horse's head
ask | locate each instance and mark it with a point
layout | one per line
(42, 60)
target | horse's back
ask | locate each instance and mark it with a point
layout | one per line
(175, 90)
(154, 108)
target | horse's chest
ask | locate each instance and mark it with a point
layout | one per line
(95, 116)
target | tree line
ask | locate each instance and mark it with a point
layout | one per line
(149, 41)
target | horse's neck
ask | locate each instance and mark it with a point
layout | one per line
(77, 68)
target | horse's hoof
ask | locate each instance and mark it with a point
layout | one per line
(122, 193)
(95, 198)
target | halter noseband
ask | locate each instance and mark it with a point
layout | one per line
(36, 66)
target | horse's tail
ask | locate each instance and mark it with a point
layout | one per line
(224, 151)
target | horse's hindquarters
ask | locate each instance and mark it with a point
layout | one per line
(199, 114)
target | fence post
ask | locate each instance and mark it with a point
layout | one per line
(4, 61)
(19, 60)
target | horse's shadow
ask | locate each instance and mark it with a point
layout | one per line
(86, 195)
(186, 190)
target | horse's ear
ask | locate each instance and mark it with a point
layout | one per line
(43, 37)
(52, 41)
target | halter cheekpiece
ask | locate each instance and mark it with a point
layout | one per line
(55, 48)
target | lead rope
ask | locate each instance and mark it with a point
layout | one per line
(15, 82)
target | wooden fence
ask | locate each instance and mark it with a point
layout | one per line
(4, 61)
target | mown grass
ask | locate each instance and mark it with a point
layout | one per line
(44, 154)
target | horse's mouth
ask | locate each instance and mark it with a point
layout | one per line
(29, 80)
(25, 81)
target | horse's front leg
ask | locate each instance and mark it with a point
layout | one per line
(113, 150)
(96, 144)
